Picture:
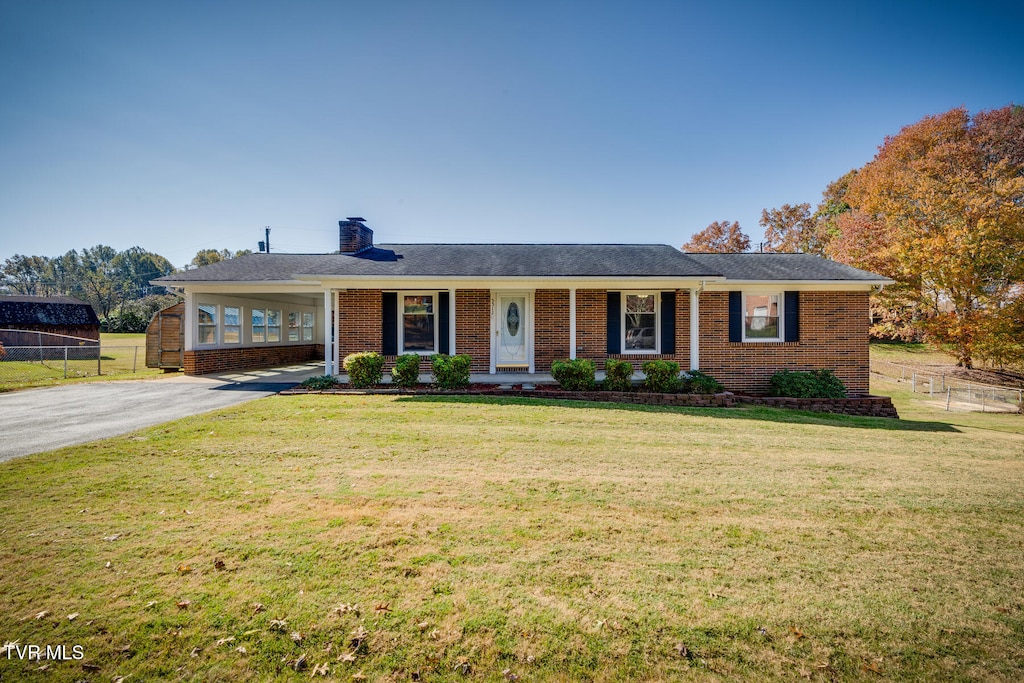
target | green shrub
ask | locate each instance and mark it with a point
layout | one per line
(406, 372)
(574, 375)
(662, 375)
(364, 369)
(319, 383)
(450, 372)
(813, 384)
(697, 382)
(618, 375)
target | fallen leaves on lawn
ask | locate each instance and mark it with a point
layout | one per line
(278, 624)
(874, 667)
(320, 670)
(42, 614)
(345, 608)
(359, 635)
(683, 651)
(225, 641)
(112, 537)
(184, 569)
(257, 607)
(462, 666)
(359, 676)
(241, 650)
(183, 604)
(796, 633)
(296, 636)
(382, 607)
(300, 663)
(347, 657)
(219, 565)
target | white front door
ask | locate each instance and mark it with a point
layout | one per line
(512, 332)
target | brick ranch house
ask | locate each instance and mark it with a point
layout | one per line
(518, 307)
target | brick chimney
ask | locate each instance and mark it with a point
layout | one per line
(354, 237)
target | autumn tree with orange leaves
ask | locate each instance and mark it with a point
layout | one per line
(721, 237)
(940, 210)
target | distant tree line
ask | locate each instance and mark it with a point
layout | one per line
(115, 283)
(940, 210)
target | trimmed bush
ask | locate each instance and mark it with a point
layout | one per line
(697, 382)
(319, 383)
(450, 372)
(406, 372)
(813, 384)
(662, 375)
(574, 375)
(365, 369)
(618, 375)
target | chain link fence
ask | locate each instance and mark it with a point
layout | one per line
(951, 393)
(22, 364)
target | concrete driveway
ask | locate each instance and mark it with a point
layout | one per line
(43, 419)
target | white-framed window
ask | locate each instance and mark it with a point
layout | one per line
(308, 322)
(417, 322)
(232, 325)
(640, 324)
(294, 326)
(259, 325)
(762, 317)
(207, 324)
(273, 325)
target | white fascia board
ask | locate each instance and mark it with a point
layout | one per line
(552, 282)
(261, 287)
(799, 285)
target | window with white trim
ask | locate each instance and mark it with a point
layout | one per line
(273, 326)
(259, 325)
(762, 316)
(293, 326)
(640, 322)
(207, 324)
(308, 321)
(417, 323)
(232, 325)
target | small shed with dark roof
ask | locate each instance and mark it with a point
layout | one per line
(46, 321)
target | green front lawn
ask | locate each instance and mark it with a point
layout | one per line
(441, 539)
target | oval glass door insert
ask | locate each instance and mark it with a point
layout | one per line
(512, 319)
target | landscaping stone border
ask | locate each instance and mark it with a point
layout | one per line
(870, 406)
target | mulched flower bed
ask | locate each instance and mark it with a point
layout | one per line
(873, 406)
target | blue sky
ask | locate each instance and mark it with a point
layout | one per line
(188, 125)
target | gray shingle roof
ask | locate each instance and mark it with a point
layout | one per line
(522, 260)
(45, 310)
(467, 260)
(781, 267)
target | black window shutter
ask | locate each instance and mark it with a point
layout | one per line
(389, 323)
(668, 322)
(735, 316)
(792, 314)
(443, 314)
(614, 322)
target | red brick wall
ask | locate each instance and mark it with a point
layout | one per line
(833, 335)
(473, 326)
(205, 361)
(551, 327)
(358, 317)
(592, 330)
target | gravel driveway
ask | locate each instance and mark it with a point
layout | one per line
(43, 419)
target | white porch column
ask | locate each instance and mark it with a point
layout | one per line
(328, 332)
(190, 321)
(451, 322)
(572, 323)
(694, 329)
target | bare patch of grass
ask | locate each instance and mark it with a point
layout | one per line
(481, 539)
